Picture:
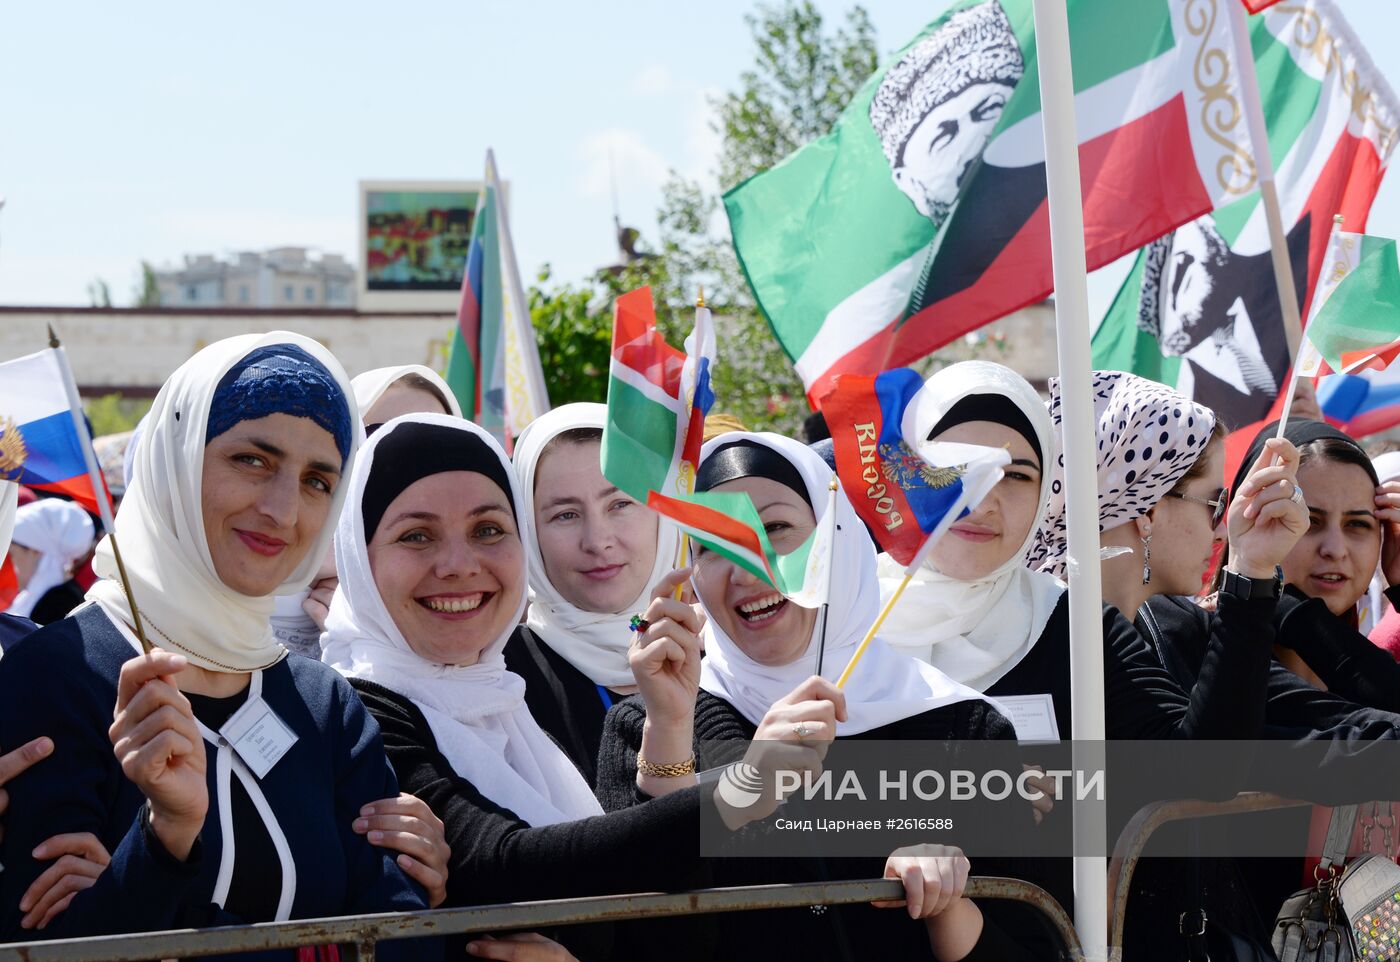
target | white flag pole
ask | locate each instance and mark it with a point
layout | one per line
(1264, 166)
(1329, 261)
(524, 375)
(1081, 464)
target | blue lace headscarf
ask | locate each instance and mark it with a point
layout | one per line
(280, 379)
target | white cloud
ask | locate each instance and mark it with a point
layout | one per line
(702, 140)
(622, 157)
(651, 80)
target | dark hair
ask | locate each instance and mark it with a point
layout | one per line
(814, 428)
(1339, 452)
(419, 383)
(1198, 467)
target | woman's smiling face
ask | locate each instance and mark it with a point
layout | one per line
(1337, 557)
(766, 626)
(993, 532)
(449, 565)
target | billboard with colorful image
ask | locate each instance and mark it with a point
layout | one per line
(416, 239)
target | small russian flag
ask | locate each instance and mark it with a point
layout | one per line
(39, 442)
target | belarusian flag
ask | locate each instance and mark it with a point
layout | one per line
(1200, 309)
(728, 524)
(1357, 325)
(657, 399)
(923, 214)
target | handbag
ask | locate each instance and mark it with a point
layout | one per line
(1351, 914)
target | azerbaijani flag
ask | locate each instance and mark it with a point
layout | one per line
(728, 524)
(1199, 310)
(651, 441)
(1357, 323)
(39, 442)
(907, 491)
(923, 214)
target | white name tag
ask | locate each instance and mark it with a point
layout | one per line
(258, 736)
(1033, 716)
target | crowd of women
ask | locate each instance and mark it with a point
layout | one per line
(395, 668)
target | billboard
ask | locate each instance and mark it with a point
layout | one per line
(413, 241)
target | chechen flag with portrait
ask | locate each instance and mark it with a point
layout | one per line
(922, 215)
(1199, 309)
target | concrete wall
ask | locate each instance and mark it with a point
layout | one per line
(119, 348)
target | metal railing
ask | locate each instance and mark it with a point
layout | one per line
(362, 933)
(1133, 839)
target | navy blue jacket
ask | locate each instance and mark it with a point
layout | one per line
(12, 629)
(61, 681)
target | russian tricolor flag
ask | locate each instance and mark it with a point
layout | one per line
(39, 441)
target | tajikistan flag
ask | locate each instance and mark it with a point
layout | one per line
(1357, 323)
(923, 214)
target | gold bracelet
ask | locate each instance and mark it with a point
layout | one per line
(675, 770)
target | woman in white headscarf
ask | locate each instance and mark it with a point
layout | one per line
(235, 483)
(387, 392)
(757, 682)
(432, 586)
(594, 555)
(50, 535)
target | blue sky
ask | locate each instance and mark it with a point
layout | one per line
(146, 131)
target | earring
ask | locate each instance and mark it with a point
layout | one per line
(1147, 559)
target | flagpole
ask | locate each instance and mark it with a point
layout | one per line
(826, 590)
(875, 628)
(1080, 457)
(99, 487)
(1337, 222)
(1264, 166)
(689, 476)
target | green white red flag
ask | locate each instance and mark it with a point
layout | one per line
(657, 400)
(1356, 323)
(728, 524)
(1199, 309)
(923, 214)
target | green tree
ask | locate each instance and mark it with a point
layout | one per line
(113, 413)
(804, 75)
(147, 291)
(99, 294)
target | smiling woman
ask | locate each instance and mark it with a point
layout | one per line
(234, 482)
(594, 554)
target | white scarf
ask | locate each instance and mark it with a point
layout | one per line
(887, 686)
(596, 644)
(62, 533)
(371, 385)
(9, 502)
(976, 631)
(477, 713)
(183, 604)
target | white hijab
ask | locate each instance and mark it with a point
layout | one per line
(976, 631)
(596, 644)
(371, 385)
(9, 502)
(887, 686)
(183, 604)
(62, 533)
(477, 713)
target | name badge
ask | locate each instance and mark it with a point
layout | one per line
(258, 736)
(1033, 716)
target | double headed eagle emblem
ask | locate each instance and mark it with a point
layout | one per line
(13, 453)
(903, 466)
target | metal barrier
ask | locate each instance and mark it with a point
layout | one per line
(1133, 839)
(362, 932)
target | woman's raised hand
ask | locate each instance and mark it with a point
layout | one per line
(665, 656)
(1388, 514)
(1269, 512)
(158, 744)
(806, 716)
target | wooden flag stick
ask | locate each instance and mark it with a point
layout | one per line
(870, 635)
(1292, 387)
(683, 555)
(75, 407)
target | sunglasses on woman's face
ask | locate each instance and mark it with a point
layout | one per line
(1218, 505)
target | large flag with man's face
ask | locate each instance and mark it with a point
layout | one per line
(923, 214)
(1199, 309)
